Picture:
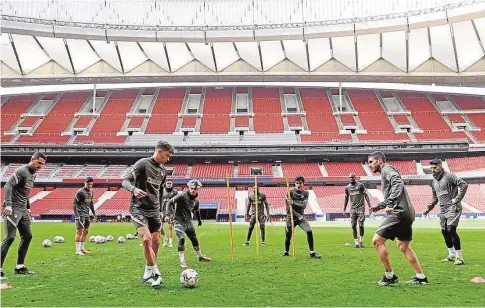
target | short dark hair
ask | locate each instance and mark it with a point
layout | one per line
(435, 161)
(168, 180)
(300, 179)
(38, 155)
(378, 154)
(163, 145)
(89, 180)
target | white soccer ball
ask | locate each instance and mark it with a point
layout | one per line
(58, 239)
(98, 239)
(92, 238)
(129, 236)
(46, 243)
(121, 239)
(189, 278)
(109, 238)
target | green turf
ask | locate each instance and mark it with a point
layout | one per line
(346, 276)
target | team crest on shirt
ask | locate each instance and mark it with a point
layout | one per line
(15, 216)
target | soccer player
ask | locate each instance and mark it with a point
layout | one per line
(262, 204)
(16, 211)
(398, 223)
(82, 203)
(168, 194)
(297, 203)
(181, 208)
(356, 192)
(145, 182)
(448, 191)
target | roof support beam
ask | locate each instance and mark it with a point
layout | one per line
(455, 52)
(142, 51)
(119, 57)
(16, 54)
(237, 51)
(478, 37)
(214, 57)
(406, 32)
(168, 59)
(92, 48)
(307, 56)
(260, 56)
(41, 47)
(283, 48)
(69, 56)
(356, 52)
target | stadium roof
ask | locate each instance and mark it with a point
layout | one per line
(66, 41)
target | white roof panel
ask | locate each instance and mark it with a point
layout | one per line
(418, 47)
(56, 50)
(178, 55)
(442, 46)
(272, 54)
(319, 50)
(131, 55)
(249, 53)
(344, 51)
(225, 55)
(30, 54)
(156, 53)
(467, 46)
(82, 55)
(480, 24)
(203, 54)
(107, 52)
(296, 52)
(394, 48)
(7, 55)
(368, 49)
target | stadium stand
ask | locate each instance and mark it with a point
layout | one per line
(164, 115)
(267, 110)
(466, 164)
(216, 110)
(208, 171)
(306, 169)
(245, 169)
(344, 169)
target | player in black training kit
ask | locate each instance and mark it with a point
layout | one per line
(262, 204)
(16, 211)
(145, 182)
(448, 191)
(297, 203)
(168, 194)
(181, 208)
(82, 203)
(398, 223)
(356, 192)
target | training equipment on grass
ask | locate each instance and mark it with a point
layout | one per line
(47, 243)
(189, 278)
(58, 239)
(121, 239)
(231, 231)
(478, 279)
(92, 238)
(100, 239)
(130, 236)
(109, 238)
(288, 196)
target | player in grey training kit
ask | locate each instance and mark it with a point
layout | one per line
(356, 192)
(145, 182)
(297, 203)
(181, 208)
(262, 204)
(398, 223)
(168, 194)
(16, 211)
(82, 203)
(448, 191)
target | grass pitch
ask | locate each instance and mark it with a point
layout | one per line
(345, 276)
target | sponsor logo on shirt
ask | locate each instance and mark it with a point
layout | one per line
(442, 193)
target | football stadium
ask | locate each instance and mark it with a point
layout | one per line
(242, 153)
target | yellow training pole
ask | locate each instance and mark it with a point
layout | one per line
(288, 196)
(231, 231)
(257, 214)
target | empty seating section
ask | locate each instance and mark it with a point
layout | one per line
(344, 169)
(294, 121)
(456, 118)
(136, 122)
(373, 117)
(466, 164)
(47, 170)
(118, 204)
(216, 110)
(404, 167)
(479, 120)
(111, 119)
(439, 97)
(401, 119)
(468, 102)
(330, 198)
(68, 171)
(34, 191)
(320, 137)
(420, 196)
(245, 169)
(267, 110)
(11, 168)
(179, 170)
(83, 121)
(113, 171)
(13, 108)
(29, 121)
(164, 116)
(57, 120)
(201, 171)
(91, 170)
(347, 119)
(242, 121)
(475, 196)
(276, 198)
(219, 195)
(189, 122)
(304, 169)
(428, 119)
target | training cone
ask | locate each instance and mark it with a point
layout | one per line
(478, 279)
(5, 286)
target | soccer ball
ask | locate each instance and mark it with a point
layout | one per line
(58, 239)
(46, 243)
(99, 239)
(92, 238)
(189, 278)
(121, 239)
(129, 236)
(109, 238)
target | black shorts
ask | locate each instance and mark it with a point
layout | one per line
(83, 222)
(357, 216)
(393, 228)
(153, 223)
